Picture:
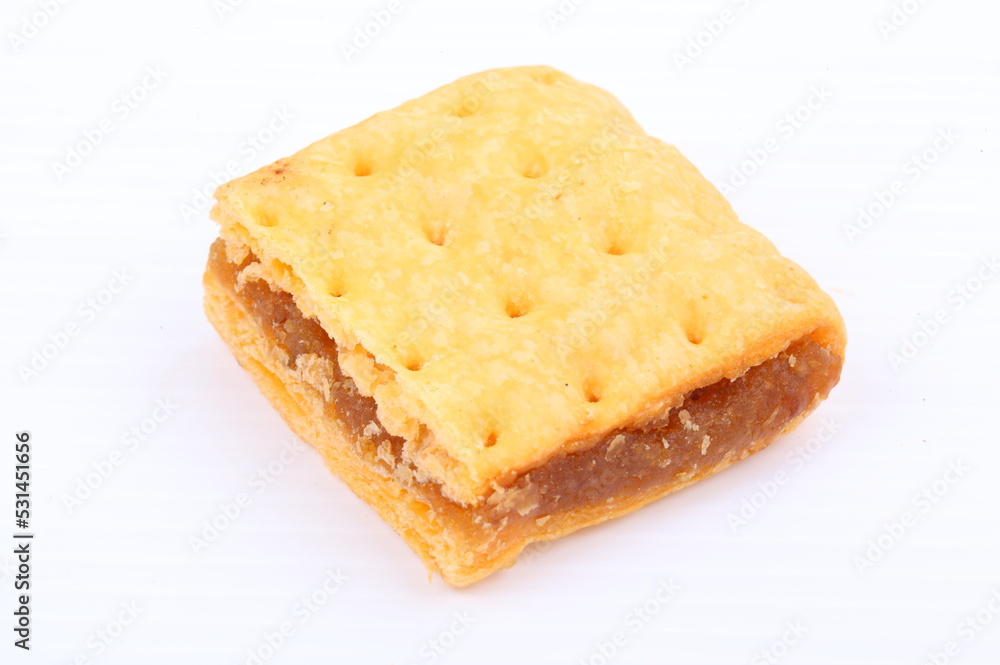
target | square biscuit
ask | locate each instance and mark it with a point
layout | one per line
(479, 302)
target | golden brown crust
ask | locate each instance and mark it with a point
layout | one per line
(513, 268)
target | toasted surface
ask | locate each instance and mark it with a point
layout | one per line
(512, 268)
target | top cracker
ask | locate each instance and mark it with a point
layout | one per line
(512, 267)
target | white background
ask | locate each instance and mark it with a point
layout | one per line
(800, 559)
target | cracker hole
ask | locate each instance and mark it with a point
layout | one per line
(535, 169)
(335, 287)
(591, 393)
(694, 329)
(615, 249)
(546, 78)
(516, 310)
(791, 294)
(695, 323)
(413, 364)
(437, 234)
(267, 219)
(464, 110)
(491, 440)
(363, 168)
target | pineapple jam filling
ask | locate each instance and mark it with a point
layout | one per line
(714, 424)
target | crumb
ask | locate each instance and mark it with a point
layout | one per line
(615, 442)
(705, 443)
(685, 418)
(404, 474)
(384, 453)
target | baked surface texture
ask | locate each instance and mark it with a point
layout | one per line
(512, 273)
